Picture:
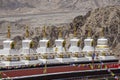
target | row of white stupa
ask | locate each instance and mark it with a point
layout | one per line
(58, 54)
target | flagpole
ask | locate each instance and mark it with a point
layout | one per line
(45, 68)
(93, 56)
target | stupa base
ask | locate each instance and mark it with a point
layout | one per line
(49, 61)
(107, 57)
(31, 62)
(80, 59)
(65, 60)
(13, 63)
(2, 64)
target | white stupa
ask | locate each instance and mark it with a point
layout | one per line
(88, 44)
(10, 56)
(44, 45)
(46, 52)
(59, 49)
(75, 44)
(75, 49)
(102, 48)
(59, 44)
(1, 64)
(28, 55)
(88, 48)
(102, 43)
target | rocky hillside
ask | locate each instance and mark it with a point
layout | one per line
(107, 18)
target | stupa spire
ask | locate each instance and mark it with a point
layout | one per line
(102, 32)
(75, 32)
(27, 32)
(8, 33)
(60, 32)
(44, 32)
(89, 33)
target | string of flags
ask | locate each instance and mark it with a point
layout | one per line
(109, 70)
(100, 66)
(112, 74)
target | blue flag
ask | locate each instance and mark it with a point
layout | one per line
(93, 56)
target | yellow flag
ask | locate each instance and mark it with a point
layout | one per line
(112, 74)
(99, 65)
(82, 65)
(56, 49)
(45, 71)
(106, 67)
(91, 66)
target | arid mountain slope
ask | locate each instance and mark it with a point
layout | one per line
(10, 7)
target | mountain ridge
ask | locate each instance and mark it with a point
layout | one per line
(40, 6)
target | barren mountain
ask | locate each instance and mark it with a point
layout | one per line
(16, 7)
(39, 12)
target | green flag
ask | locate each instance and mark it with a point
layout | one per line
(0, 75)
